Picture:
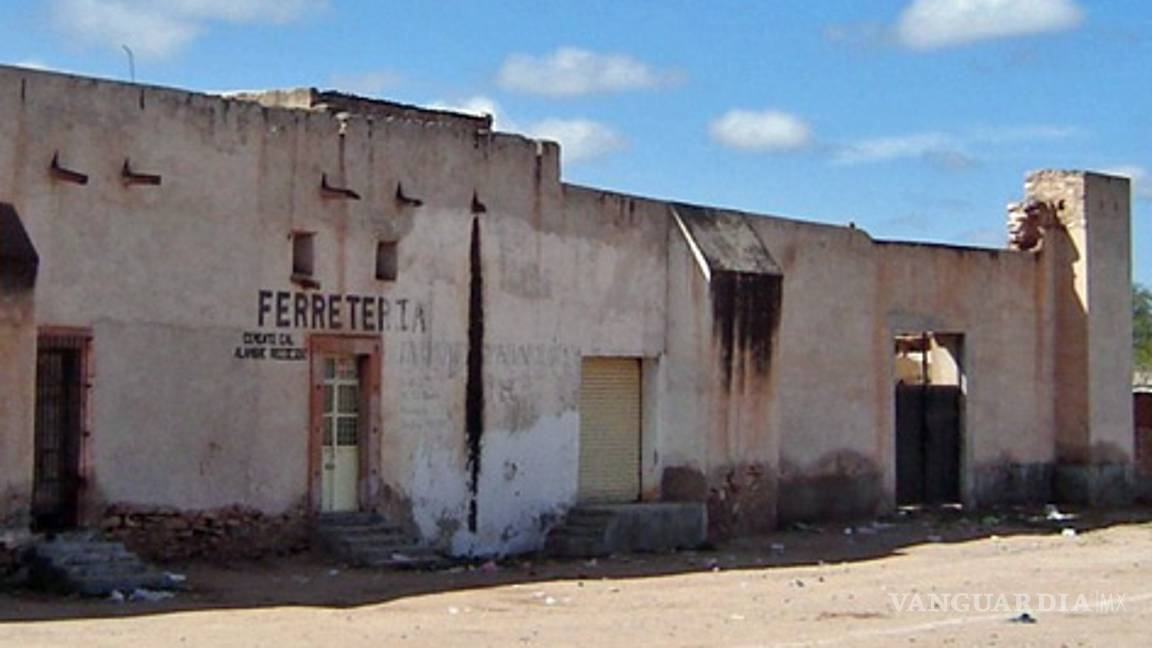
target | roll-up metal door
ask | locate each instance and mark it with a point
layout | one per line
(609, 430)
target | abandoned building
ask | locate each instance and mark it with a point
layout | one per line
(300, 302)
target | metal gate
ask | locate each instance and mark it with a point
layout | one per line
(60, 400)
(927, 444)
(609, 468)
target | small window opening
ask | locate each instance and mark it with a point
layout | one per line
(303, 259)
(386, 261)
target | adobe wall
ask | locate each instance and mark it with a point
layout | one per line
(998, 300)
(17, 403)
(170, 279)
(717, 441)
(831, 374)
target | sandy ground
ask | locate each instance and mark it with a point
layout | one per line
(809, 587)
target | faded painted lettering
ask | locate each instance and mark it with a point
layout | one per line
(339, 312)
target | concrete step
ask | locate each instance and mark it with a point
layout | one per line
(90, 557)
(65, 547)
(598, 530)
(87, 564)
(402, 557)
(348, 519)
(590, 514)
(382, 530)
(367, 540)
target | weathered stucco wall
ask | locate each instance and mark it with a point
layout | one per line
(768, 390)
(996, 300)
(1091, 282)
(168, 278)
(17, 396)
(829, 373)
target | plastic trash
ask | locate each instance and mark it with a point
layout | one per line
(149, 596)
(1023, 617)
(1068, 532)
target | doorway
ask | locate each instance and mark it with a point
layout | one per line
(929, 418)
(345, 423)
(61, 400)
(610, 424)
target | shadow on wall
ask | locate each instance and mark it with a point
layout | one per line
(18, 258)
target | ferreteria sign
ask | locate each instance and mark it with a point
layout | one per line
(285, 309)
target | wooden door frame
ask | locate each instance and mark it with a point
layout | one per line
(367, 350)
(83, 451)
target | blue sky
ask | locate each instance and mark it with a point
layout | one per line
(912, 118)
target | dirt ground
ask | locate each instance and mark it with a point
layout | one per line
(806, 587)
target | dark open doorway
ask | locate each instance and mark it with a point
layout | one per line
(61, 386)
(929, 418)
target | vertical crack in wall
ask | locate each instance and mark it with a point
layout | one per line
(474, 389)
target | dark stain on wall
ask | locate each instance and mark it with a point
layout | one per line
(1007, 482)
(741, 500)
(683, 484)
(840, 485)
(18, 258)
(474, 387)
(745, 317)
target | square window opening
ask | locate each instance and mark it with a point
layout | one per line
(304, 259)
(387, 264)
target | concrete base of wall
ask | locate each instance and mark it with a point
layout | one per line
(1009, 484)
(829, 497)
(599, 530)
(1094, 485)
(1142, 487)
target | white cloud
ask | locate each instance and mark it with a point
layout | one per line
(160, 29)
(880, 149)
(928, 24)
(571, 71)
(948, 150)
(478, 105)
(580, 139)
(1141, 181)
(368, 84)
(32, 64)
(770, 131)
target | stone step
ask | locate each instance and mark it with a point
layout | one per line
(361, 531)
(58, 547)
(90, 557)
(572, 546)
(87, 564)
(348, 519)
(103, 585)
(403, 557)
(367, 539)
(582, 514)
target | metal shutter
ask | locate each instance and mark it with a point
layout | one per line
(609, 430)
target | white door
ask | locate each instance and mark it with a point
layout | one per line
(340, 447)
